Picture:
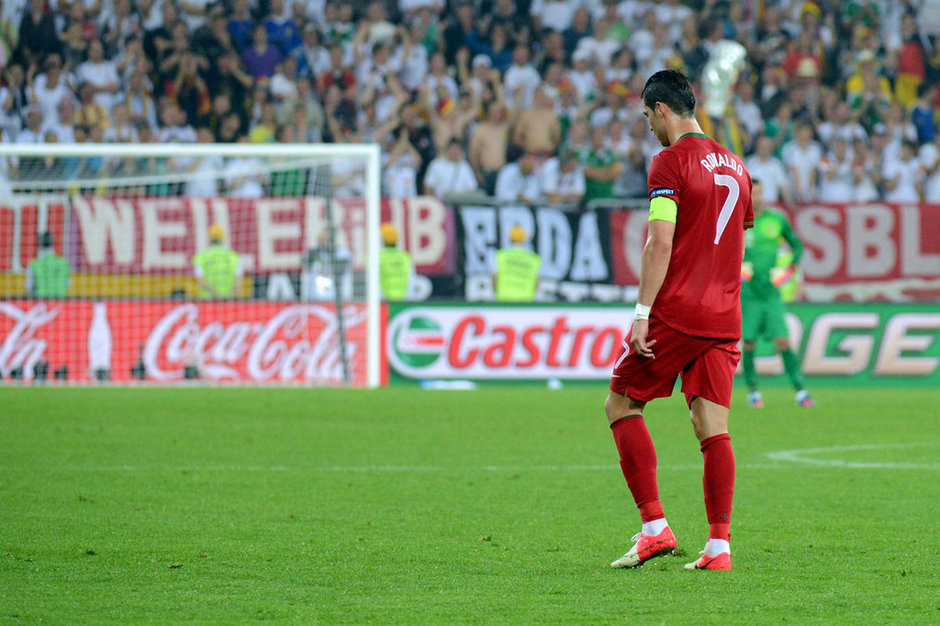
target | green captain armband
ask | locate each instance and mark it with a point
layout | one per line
(663, 208)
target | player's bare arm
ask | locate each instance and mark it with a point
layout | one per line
(656, 255)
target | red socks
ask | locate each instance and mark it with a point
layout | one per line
(718, 484)
(638, 462)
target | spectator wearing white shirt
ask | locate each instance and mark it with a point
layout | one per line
(903, 176)
(283, 83)
(313, 59)
(563, 179)
(802, 156)
(929, 155)
(554, 14)
(411, 8)
(450, 173)
(767, 168)
(437, 77)
(411, 57)
(582, 76)
(642, 41)
(373, 69)
(837, 180)
(174, 128)
(102, 74)
(121, 130)
(204, 170)
(671, 13)
(521, 79)
(661, 51)
(840, 124)
(747, 111)
(312, 11)
(244, 176)
(898, 129)
(400, 168)
(50, 87)
(865, 174)
(63, 122)
(33, 132)
(598, 44)
(482, 77)
(193, 13)
(119, 23)
(519, 182)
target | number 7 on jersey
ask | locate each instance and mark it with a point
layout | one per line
(723, 180)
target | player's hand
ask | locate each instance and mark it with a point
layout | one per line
(639, 341)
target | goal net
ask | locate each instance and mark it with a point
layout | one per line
(165, 263)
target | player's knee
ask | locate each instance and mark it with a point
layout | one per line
(617, 407)
(609, 408)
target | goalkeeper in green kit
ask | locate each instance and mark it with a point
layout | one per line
(762, 309)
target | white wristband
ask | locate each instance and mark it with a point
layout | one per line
(642, 312)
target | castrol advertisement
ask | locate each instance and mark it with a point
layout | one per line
(170, 342)
(501, 343)
(851, 344)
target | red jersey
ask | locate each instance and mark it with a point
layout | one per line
(701, 295)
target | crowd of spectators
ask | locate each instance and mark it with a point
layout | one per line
(530, 100)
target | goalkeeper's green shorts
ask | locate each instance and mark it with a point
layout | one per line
(762, 319)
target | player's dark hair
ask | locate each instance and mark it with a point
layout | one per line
(672, 88)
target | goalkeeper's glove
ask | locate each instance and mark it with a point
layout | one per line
(780, 276)
(747, 271)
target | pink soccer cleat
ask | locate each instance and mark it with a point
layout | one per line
(646, 548)
(720, 562)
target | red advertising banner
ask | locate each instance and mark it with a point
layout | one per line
(229, 342)
(871, 252)
(111, 235)
(21, 218)
(853, 252)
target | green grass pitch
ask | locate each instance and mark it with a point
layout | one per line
(500, 505)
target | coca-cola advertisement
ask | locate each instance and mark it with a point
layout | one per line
(170, 342)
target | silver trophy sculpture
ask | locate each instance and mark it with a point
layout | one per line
(720, 74)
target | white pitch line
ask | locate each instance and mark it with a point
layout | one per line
(519, 468)
(799, 456)
(783, 460)
(372, 468)
(142, 468)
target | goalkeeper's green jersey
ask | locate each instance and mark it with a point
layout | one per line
(761, 245)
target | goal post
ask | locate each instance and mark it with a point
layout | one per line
(129, 219)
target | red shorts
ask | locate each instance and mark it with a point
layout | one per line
(705, 365)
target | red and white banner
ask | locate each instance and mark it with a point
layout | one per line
(19, 229)
(161, 235)
(853, 252)
(243, 342)
(870, 252)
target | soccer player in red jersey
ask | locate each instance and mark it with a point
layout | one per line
(688, 316)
